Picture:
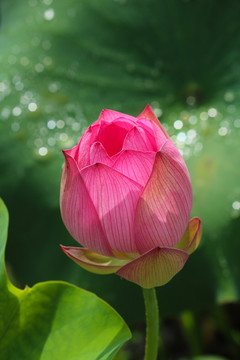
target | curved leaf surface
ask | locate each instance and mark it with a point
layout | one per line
(54, 320)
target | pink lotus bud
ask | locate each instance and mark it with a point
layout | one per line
(126, 197)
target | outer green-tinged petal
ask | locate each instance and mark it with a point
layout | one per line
(78, 212)
(154, 268)
(192, 236)
(163, 210)
(149, 114)
(93, 262)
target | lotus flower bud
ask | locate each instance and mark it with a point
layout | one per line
(126, 197)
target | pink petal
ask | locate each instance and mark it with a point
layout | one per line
(137, 165)
(78, 212)
(164, 207)
(149, 114)
(191, 237)
(99, 155)
(111, 135)
(110, 115)
(93, 262)
(154, 268)
(138, 139)
(115, 197)
(151, 128)
(72, 152)
(81, 151)
(95, 128)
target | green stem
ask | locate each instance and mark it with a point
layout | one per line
(152, 320)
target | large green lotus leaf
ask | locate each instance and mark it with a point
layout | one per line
(61, 64)
(54, 320)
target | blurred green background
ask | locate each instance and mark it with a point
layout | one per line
(61, 63)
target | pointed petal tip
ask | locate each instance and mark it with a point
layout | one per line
(149, 114)
(197, 225)
(65, 249)
(62, 247)
(70, 162)
(149, 109)
(102, 113)
(65, 154)
(107, 114)
(68, 154)
(191, 237)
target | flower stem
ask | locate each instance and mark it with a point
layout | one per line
(152, 320)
